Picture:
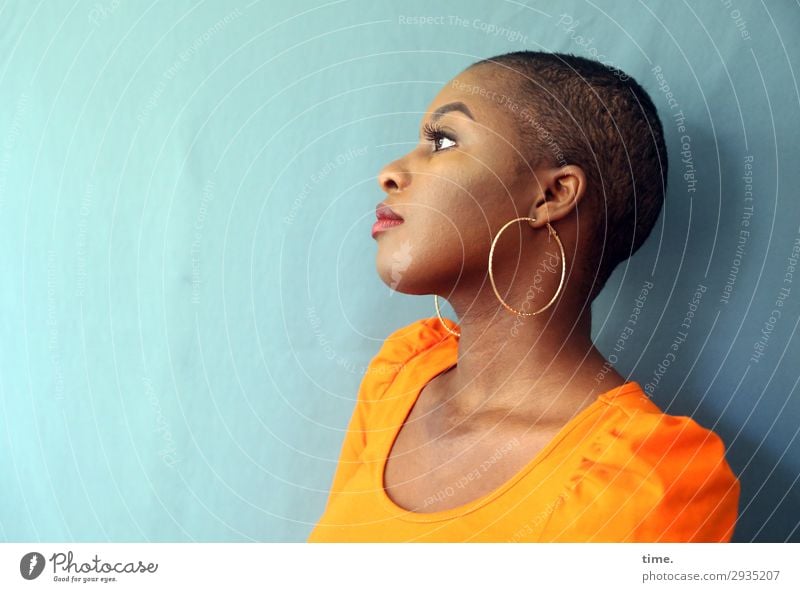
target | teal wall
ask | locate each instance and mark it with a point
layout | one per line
(188, 284)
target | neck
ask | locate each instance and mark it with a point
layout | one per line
(542, 359)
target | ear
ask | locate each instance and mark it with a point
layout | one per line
(560, 189)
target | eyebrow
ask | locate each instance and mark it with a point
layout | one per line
(455, 106)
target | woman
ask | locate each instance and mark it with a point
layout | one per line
(535, 176)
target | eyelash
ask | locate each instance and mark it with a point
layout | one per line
(433, 134)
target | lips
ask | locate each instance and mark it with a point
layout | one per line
(384, 212)
(386, 218)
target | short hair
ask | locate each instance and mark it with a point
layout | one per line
(599, 118)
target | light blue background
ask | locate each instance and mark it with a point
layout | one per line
(189, 293)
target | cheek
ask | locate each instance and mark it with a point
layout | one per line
(467, 204)
(463, 193)
(448, 214)
(447, 225)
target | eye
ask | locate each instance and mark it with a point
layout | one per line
(437, 135)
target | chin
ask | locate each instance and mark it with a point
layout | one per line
(396, 273)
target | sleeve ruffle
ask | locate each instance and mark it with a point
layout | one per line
(395, 352)
(651, 477)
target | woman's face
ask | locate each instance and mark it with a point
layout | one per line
(454, 190)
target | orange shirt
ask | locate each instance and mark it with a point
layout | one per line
(620, 471)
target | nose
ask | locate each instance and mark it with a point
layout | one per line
(393, 177)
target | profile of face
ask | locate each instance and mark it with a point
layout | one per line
(458, 186)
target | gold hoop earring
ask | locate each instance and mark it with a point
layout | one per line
(439, 314)
(554, 234)
(563, 268)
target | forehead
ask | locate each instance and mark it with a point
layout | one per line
(487, 99)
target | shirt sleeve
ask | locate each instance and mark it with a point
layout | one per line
(652, 477)
(398, 348)
(700, 496)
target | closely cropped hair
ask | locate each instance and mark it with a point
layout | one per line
(573, 110)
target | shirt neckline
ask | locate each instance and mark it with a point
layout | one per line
(442, 356)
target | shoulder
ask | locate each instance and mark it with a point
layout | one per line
(638, 427)
(666, 476)
(398, 349)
